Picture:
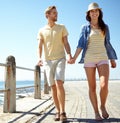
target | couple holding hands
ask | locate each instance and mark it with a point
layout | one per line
(97, 51)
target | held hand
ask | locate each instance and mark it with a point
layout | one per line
(69, 57)
(71, 61)
(113, 63)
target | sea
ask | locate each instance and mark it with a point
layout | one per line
(26, 91)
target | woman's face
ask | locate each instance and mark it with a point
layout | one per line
(94, 14)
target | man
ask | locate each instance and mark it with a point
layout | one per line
(54, 39)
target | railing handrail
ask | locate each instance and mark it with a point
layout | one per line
(5, 65)
(2, 64)
(5, 90)
(10, 84)
(1, 91)
(25, 68)
(19, 67)
(24, 87)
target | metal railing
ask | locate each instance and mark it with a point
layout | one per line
(10, 84)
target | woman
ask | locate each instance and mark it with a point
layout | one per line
(95, 43)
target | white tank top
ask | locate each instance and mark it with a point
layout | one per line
(96, 50)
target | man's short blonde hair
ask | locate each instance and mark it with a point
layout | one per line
(48, 10)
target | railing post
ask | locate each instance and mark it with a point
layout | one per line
(46, 87)
(37, 82)
(10, 85)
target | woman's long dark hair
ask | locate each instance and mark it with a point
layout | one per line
(100, 21)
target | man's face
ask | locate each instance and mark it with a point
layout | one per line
(53, 15)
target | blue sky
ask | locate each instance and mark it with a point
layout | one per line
(20, 21)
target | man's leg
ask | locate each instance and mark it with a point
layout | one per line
(55, 98)
(61, 99)
(56, 102)
(61, 95)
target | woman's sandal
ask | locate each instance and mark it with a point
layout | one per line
(57, 116)
(105, 115)
(63, 116)
(98, 117)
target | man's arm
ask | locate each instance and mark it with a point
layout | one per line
(67, 48)
(40, 46)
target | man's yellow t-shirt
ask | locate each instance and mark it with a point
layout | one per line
(53, 41)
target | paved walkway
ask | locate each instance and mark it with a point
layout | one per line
(78, 106)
